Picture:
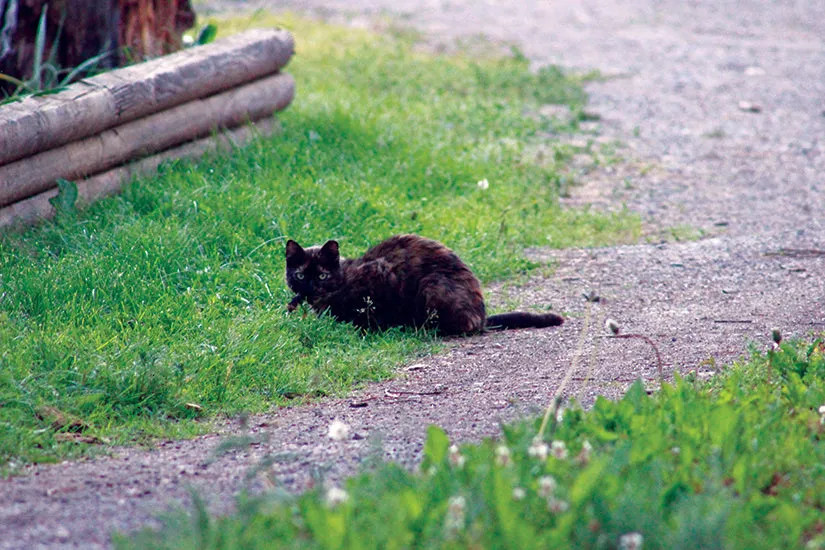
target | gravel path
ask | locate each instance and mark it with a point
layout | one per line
(752, 182)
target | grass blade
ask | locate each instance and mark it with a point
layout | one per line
(39, 48)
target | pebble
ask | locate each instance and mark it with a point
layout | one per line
(749, 107)
(62, 533)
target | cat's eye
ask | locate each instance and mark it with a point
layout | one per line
(299, 276)
(323, 276)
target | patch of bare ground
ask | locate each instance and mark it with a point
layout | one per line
(698, 159)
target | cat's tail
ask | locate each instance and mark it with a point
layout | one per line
(523, 319)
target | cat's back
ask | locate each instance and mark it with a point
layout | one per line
(415, 254)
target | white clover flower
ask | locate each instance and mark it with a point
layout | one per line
(338, 430)
(457, 505)
(336, 496)
(631, 541)
(559, 449)
(483, 184)
(675, 450)
(822, 409)
(539, 449)
(503, 455)
(519, 493)
(547, 486)
(456, 458)
(557, 505)
(454, 521)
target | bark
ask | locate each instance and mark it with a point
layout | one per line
(77, 30)
(152, 28)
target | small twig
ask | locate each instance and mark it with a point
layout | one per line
(797, 252)
(362, 402)
(397, 393)
(394, 394)
(623, 380)
(594, 356)
(743, 321)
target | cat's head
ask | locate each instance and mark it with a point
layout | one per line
(315, 271)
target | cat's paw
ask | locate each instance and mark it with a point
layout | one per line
(294, 303)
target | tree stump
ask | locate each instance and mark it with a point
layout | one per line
(122, 31)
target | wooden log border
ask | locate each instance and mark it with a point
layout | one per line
(112, 181)
(103, 131)
(88, 107)
(156, 132)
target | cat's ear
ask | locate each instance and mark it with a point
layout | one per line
(329, 253)
(294, 253)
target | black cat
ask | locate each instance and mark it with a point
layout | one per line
(406, 280)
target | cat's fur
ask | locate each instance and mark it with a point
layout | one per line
(406, 280)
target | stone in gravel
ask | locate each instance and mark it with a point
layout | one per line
(749, 107)
(62, 533)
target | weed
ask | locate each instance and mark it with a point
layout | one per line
(613, 328)
(65, 201)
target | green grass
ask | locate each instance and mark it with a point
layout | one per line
(146, 311)
(737, 462)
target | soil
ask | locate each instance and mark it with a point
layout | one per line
(719, 107)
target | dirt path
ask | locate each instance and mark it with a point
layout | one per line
(754, 182)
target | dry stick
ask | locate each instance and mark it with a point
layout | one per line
(594, 356)
(396, 393)
(92, 105)
(110, 182)
(797, 252)
(554, 405)
(582, 379)
(156, 132)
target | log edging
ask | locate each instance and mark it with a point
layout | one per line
(109, 128)
(144, 136)
(38, 123)
(112, 181)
